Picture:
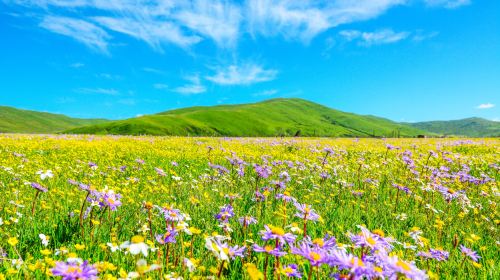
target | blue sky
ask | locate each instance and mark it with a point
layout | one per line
(407, 60)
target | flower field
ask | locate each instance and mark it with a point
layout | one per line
(92, 207)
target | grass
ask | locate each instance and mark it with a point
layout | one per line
(451, 200)
(275, 117)
(25, 121)
(471, 127)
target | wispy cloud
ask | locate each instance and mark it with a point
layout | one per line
(485, 106)
(244, 74)
(268, 92)
(160, 86)
(449, 4)
(154, 70)
(186, 23)
(104, 91)
(83, 31)
(194, 87)
(217, 20)
(77, 65)
(304, 20)
(155, 33)
(384, 36)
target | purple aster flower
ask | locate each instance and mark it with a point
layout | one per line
(439, 255)
(396, 267)
(273, 233)
(262, 171)
(168, 237)
(326, 243)
(286, 197)
(247, 220)
(370, 240)
(74, 271)
(291, 270)
(231, 251)
(269, 249)
(38, 187)
(469, 253)
(225, 213)
(110, 199)
(314, 255)
(171, 214)
(160, 172)
(306, 212)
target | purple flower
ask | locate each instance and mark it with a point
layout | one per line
(397, 266)
(225, 213)
(171, 214)
(326, 243)
(262, 171)
(74, 271)
(168, 237)
(247, 220)
(269, 249)
(314, 255)
(291, 270)
(110, 199)
(439, 255)
(273, 233)
(469, 253)
(286, 197)
(38, 187)
(160, 172)
(306, 212)
(370, 240)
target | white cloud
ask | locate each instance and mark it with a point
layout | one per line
(104, 91)
(217, 20)
(485, 106)
(449, 4)
(304, 20)
(150, 31)
(186, 23)
(384, 36)
(244, 74)
(76, 65)
(266, 92)
(194, 87)
(154, 70)
(160, 86)
(83, 31)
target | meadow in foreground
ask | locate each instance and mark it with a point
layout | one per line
(84, 207)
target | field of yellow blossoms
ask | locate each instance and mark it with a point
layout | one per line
(89, 207)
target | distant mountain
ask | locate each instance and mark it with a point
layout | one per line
(275, 117)
(471, 127)
(25, 121)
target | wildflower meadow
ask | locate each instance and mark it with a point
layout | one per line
(116, 207)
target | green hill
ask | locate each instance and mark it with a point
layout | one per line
(25, 121)
(471, 127)
(275, 117)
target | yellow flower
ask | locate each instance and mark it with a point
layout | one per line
(253, 272)
(79, 247)
(12, 241)
(45, 252)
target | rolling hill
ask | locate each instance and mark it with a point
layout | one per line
(25, 121)
(471, 127)
(274, 117)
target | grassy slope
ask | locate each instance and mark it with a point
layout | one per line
(24, 121)
(269, 118)
(472, 127)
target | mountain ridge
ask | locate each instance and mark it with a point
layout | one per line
(271, 117)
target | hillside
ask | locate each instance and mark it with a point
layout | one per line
(275, 117)
(471, 127)
(25, 121)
